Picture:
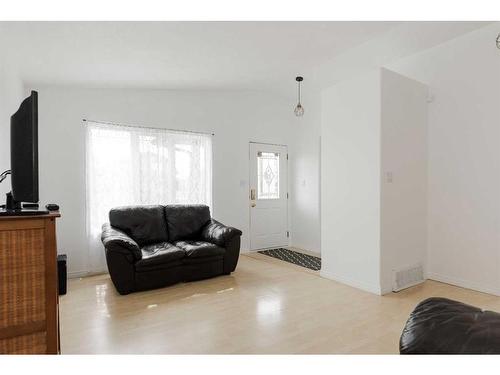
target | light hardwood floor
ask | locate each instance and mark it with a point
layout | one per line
(267, 306)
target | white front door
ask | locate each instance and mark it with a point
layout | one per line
(268, 196)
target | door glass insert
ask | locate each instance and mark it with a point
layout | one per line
(268, 179)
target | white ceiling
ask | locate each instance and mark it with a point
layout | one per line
(203, 55)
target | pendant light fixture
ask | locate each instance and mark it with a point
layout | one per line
(299, 110)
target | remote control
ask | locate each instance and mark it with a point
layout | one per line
(52, 207)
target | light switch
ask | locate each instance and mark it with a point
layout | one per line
(388, 177)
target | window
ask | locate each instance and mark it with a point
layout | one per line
(134, 165)
(268, 169)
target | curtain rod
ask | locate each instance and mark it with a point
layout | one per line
(145, 127)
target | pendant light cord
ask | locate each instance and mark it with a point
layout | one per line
(299, 92)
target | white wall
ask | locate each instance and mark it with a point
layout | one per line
(403, 230)
(464, 158)
(350, 182)
(372, 126)
(305, 177)
(11, 91)
(235, 117)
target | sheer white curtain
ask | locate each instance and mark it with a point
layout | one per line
(128, 165)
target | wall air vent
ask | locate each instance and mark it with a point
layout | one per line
(407, 277)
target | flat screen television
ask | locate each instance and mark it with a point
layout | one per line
(24, 160)
(24, 150)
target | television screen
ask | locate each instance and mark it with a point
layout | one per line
(24, 150)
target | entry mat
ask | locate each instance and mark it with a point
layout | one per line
(290, 256)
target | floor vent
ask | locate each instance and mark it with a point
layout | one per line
(407, 277)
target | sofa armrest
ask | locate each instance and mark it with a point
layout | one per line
(227, 237)
(219, 234)
(117, 241)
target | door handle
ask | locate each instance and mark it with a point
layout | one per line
(252, 198)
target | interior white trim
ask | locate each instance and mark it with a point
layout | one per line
(375, 289)
(463, 283)
(78, 274)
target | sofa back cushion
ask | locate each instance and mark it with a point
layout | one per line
(186, 221)
(145, 224)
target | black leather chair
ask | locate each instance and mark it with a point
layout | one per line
(153, 246)
(444, 326)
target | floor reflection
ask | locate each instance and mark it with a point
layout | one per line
(269, 310)
(102, 306)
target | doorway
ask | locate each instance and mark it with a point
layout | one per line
(268, 196)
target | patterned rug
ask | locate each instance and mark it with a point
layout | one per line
(290, 256)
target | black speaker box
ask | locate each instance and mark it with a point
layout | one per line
(62, 273)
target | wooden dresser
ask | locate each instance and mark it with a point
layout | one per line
(28, 285)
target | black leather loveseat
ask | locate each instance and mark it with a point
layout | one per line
(443, 326)
(153, 246)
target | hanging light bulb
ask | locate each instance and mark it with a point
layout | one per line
(299, 110)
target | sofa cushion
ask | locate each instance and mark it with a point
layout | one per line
(144, 224)
(185, 222)
(198, 249)
(159, 254)
(191, 260)
(443, 326)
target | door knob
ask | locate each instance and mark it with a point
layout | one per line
(252, 197)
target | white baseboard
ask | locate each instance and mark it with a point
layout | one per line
(306, 249)
(257, 250)
(79, 274)
(467, 284)
(375, 289)
(385, 290)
